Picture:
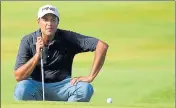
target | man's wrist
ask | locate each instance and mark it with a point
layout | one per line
(90, 78)
(37, 54)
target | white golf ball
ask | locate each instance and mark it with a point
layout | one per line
(109, 100)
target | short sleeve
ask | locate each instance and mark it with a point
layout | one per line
(83, 43)
(23, 53)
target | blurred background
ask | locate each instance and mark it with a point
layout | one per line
(139, 68)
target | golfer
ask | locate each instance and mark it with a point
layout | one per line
(58, 49)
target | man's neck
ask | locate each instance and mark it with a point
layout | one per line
(47, 39)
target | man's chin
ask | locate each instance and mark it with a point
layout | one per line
(49, 34)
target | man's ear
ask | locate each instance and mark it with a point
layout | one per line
(38, 20)
(58, 23)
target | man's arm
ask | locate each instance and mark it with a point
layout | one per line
(99, 58)
(26, 69)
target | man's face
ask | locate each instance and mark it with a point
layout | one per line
(48, 24)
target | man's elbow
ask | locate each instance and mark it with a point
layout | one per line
(17, 76)
(103, 45)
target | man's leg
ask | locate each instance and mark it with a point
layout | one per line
(64, 91)
(28, 90)
(81, 92)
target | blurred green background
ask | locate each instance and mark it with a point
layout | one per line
(139, 68)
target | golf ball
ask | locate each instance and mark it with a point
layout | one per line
(109, 100)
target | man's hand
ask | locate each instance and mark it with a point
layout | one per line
(39, 44)
(75, 80)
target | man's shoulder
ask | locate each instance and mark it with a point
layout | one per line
(67, 34)
(30, 36)
(63, 32)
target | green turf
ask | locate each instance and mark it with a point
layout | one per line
(139, 68)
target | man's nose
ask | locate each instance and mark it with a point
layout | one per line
(49, 22)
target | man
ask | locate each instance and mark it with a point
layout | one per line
(59, 48)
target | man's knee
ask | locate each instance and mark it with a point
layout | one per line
(25, 90)
(87, 91)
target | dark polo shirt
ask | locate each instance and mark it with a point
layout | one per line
(57, 56)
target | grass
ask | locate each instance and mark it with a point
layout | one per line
(139, 68)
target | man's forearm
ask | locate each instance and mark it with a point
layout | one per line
(25, 70)
(99, 58)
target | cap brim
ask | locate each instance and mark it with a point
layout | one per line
(48, 13)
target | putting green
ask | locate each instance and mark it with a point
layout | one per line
(139, 68)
